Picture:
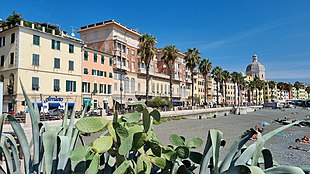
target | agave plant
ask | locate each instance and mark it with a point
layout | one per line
(50, 146)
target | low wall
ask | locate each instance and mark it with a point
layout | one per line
(199, 113)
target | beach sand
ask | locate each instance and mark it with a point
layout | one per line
(233, 126)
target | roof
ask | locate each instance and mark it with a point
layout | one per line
(255, 66)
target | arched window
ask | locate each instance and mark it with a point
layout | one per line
(126, 85)
(1, 78)
(132, 85)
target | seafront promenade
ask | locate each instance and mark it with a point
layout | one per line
(234, 125)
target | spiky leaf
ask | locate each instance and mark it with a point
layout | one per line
(91, 124)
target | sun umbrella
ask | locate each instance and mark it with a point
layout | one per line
(264, 123)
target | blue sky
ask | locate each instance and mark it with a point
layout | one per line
(226, 31)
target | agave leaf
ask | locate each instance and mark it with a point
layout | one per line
(176, 140)
(2, 120)
(79, 153)
(234, 149)
(71, 123)
(64, 120)
(35, 116)
(7, 155)
(268, 161)
(207, 154)
(91, 124)
(49, 142)
(306, 169)
(19, 131)
(14, 149)
(216, 137)
(122, 168)
(284, 170)
(176, 165)
(156, 115)
(63, 143)
(248, 153)
(258, 149)
(102, 144)
(93, 167)
(243, 169)
(132, 117)
(195, 143)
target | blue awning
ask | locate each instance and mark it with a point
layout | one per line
(39, 105)
(71, 104)
(53, 104)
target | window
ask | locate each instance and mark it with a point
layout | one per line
(101, 73)
(56, 85)
(11, 58)
(102, 59)
(36, 40)
(132, 85)
(71, 48)
(12, 38)
(85, 70)
(70, 86)
(139, 87)
(55, 45)
(35, 83)
(95, 88)
(115, 86)
(71, 65)
(56, 63)
(133, 66)
(110, 75)
(2, 61)
(35, 59)
(110, 61)
(93, 72)
(86, 55)
(105, 89)
(98, 72)
(109, 89)
(132, 52)
(101, 88)
(105, 74)
(86, 87)
(2, 42)
(95, 57)
(126, 82)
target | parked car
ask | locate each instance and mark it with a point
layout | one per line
(55, 112)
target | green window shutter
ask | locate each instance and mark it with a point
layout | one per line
(102, 59)
(109, 89)
(53, 44)
(105, 89)
(85, 55)
(67, 85)
(83, 83)
(88, 87)
(110, 61)
(95, 57)
(74, 86)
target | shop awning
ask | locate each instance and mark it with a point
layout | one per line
(53, 104)
(71, 104)
(85, 101)
(39, 105)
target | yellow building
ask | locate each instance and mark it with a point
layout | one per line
(46, 60)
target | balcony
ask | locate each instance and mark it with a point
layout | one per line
(162, 75)
(177, 78)
(123, 67)
(143, 71)
(117, 53)
(188, 80)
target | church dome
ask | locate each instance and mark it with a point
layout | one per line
(256, 69)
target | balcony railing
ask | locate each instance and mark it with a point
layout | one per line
(123, 67)
(143, 71)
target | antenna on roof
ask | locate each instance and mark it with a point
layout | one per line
(72, 31)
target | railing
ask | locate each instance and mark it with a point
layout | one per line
(123, 67)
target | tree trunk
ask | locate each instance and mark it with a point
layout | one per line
(205, 86)
(171, 76)
(192, 87)
(238, 94)
(217, 93)
(147, 84)
(225, 94)
(235, 100)
(256, 96)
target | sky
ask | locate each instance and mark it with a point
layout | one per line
(228, 32)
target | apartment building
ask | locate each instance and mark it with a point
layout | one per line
(46, 60)
(97, 79)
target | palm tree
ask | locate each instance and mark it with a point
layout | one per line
(205, 67)
(252, 87)
(243, 85)
(226, 78)
(289, 87)
(192, 60)
(147, 51)
(217, 74)
(297, 85)
(170, 55)
(235, 76)
(280, 86)
(260, 86)
(272, 85)
(308, 91)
